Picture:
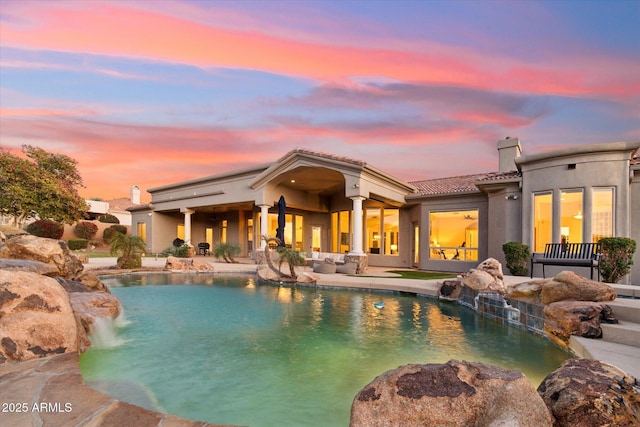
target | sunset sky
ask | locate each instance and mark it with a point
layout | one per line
(154, 92)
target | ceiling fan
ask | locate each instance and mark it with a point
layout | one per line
(469, 217)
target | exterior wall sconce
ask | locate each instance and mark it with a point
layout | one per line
(511, 197)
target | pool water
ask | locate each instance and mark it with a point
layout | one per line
(226, 350)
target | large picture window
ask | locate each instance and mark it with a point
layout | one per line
(341, 232)
(571, 218)
(453, 235)
(382, 233)
(602, 213)
(542, 220)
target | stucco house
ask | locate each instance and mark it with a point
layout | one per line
(343, 205)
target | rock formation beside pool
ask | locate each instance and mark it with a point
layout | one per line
(454, 393)
(568, 285)
(36, 318)
(487, 277)
(591, 393)
(581, 318)
(48, 304)
(175, 265)
(49, 251)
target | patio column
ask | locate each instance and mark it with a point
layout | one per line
(264, 224)
(187, 224)
(356, 248)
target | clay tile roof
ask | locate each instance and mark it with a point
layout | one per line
(459, 184)
(324, 155)
(455, 184)
(497, 176)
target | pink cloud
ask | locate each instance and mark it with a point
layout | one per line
(113, 29)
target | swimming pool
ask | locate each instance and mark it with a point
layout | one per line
(225, 350)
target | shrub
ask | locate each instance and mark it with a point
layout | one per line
(108, 233)
(517, 255)
(75, 244)
(129, 250)
(86, 230)
(46, 228)
(109, 219)
(617, 257)
(133, 261)
(227, 251)
(176, 251)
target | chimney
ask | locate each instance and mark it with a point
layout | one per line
(509, 149)
(135, 195)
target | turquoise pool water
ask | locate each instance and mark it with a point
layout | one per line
(225, 350)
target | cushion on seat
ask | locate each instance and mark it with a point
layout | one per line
(347, 268)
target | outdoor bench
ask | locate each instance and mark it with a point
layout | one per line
(570, 255)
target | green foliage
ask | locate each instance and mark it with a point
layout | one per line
(75, 244)
(134, 261)
(128, 248)
(177, 251)
(86, 230)
(109, 219)
(517, 255)
(617, 257)
(108, 233)
(227, 251)
(292, 257)
(46, 228)
(42, 185)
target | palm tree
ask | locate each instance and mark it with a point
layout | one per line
(227, 251)
(129, 249)
(291, 257)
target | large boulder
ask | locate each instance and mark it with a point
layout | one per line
(30, 266)
(487, 277)
(186, 264)
(568, 285)
(49, 251)
(590, 393)
(450, 290)
(453, 394)
(582, 318)
(36, 318)
(526, 290)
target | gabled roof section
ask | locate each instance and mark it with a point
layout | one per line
(304, 157)
(322, 155)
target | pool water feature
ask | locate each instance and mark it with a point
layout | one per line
(225, 350)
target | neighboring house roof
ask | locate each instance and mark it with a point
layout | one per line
(120, 205)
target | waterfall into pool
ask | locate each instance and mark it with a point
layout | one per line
(224, 350)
